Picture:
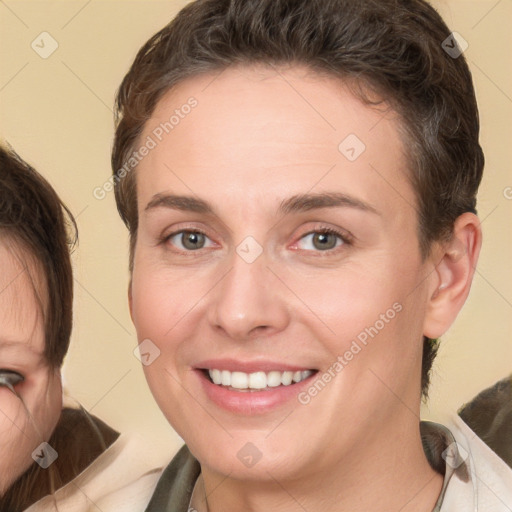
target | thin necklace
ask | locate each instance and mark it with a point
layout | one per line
(195, 497)
(205, 497)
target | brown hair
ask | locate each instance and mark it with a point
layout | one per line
(38, 226)
(79, 438)
(389, 48)
(33, 217)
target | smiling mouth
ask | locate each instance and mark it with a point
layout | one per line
(257, 381)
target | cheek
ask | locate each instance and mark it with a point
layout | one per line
(24, 423)
(370, 315)
(15, 446)
(157, 300)
(43, 398)
(348, 302)
(166, 303)
(159, 311)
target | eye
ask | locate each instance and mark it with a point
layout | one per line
(190, 240)
(322, 240)
(10, 378)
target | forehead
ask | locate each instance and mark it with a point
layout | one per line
(21, 318)
(265, 132)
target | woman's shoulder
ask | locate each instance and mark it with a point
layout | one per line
(78, 439)
(122, 477)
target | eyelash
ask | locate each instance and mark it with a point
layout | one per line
(10, 376)
(345, 237)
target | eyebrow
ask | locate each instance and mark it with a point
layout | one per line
(306, 202)
(294, 204)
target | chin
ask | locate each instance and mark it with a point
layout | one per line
(247, 456)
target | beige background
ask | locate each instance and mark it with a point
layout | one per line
(56, 112)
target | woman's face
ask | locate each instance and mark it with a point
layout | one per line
(295, 249)
(22, 351)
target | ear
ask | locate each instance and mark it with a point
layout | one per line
(455, 263)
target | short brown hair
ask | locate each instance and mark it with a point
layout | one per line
(389, 48)
(34, 219)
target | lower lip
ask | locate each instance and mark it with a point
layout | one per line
(251, 402)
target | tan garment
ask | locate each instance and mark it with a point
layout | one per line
(78, 439)
(121, 479)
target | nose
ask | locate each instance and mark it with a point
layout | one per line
(248, 302)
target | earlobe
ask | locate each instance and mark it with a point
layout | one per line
(453, 274)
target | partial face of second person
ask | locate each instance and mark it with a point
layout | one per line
(256, 142)
(22, 344)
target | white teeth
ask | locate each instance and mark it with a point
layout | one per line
(273, 379)
(225, 378)
(257, 380)
(239, 380)
(286, 378)
(216, 376)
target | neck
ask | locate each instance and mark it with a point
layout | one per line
(390, 473)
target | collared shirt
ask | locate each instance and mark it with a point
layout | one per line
(475, 478)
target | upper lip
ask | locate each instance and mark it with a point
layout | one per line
(234, 365)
